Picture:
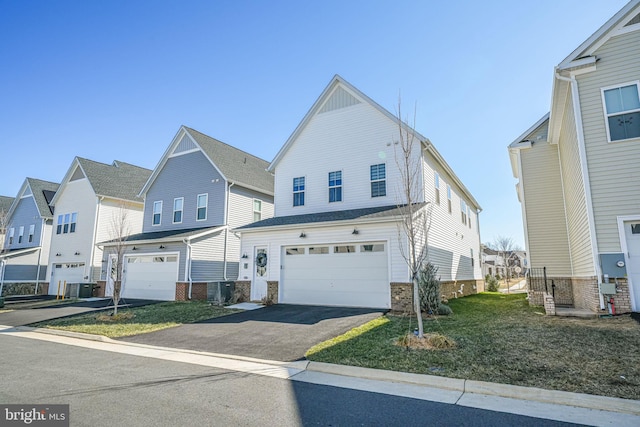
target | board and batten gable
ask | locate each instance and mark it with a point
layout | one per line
(24, 215)
(574, 196)
(613, 166)
(186, 175)
(343, 136)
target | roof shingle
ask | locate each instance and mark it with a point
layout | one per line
(119, 180)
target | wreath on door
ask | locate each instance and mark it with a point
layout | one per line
(261, 260)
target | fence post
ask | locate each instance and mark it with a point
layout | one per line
(544, 272)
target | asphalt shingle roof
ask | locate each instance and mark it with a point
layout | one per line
(160, 235)
(43, 192)
(5, 203)
(377, 212)
(119, 180)
(236, 165)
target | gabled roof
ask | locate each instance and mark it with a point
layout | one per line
(524, 141)
(235, 166)
(337, 82)
(165, 236)
(352, 215)
(5, 203)
(118, 180)
(42, 192)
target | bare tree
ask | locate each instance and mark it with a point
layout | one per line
(119, 230)
(415, 214)
(4, 221)
(505, 246)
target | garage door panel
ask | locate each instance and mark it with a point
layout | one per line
(150, 277)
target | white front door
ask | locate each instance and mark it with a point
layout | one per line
(260, 270)
(632, 237)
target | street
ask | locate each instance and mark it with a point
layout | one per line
(106, 389)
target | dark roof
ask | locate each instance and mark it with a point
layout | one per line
(161, 235)
(43, 192)
(5, 203)
(236, 165)
(119, 180)
(348, 215)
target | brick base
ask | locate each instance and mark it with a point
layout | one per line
(549, 304)
(272, 292)
(459, 288)
(198, 291)
(401, 297)
(100, 288)
(242, 292)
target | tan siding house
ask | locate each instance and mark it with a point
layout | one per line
(577, 171)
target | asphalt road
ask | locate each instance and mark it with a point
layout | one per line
(109, 389)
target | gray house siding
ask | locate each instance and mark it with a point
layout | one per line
(185, 176)
(208, 259)
(24, 268)
(25, 214)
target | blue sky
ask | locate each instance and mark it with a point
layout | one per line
(115, 79)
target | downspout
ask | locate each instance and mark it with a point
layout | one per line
(95, 236)
(187, 267)
(585, 176)
(40, 255)
(226, 232)
(2, 264)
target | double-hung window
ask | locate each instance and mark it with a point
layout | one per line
(463, 211)
(622, 110)
(449, 197)
(67, 222)
(178, 204)
(157, 213)
(257, 210)
(32, 231)
(20, 234)
(11, 232)
(298, 191)
(203, 201)
(378, 180)
(335, 186)
(59, 224)
(437, 187)
(74, 219)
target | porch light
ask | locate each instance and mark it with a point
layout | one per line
(134, 249)
(245, 256)
(161, 246)
(77, 253)
(302, 235)
(355, 231)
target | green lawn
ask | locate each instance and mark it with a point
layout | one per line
(138, 320)
(500, 338)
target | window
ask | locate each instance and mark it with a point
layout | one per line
(372, 248)
(11, 232)
(59, 226)
(294, 251)
(201, 208)
(66, 223)
(257, 210)
(635, 228)
(74, 219)
(298, 191)
(449, 196)
(344, 249)
(437, 187)
(378, 180)
(32, 230)
(177, 209)
(20, 234)
(469, 215)
(472, 261)
(335, 186)
(157, 213)
(622, 110)
(463, 211)
(319, 250)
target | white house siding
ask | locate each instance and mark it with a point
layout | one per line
(349, 139)
(450, 241)
(574, 196)
(544, 206)
(76, 196)
(241, 206)
(275, 240)
(108, 212)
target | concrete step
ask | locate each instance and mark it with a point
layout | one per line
(575, 312)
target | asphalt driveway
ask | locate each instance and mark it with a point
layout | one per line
(26, 316)
(279, 332)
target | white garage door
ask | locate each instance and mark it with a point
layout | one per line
(69, 272)
(352, 275)
(150, 277)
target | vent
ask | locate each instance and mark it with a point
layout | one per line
(340, 98)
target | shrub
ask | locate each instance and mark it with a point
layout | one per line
(444, 310)
(429, 288)
(491, 283)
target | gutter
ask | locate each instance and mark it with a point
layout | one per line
(40, 255)
(95, 236)
(2, 264)
(226, 232)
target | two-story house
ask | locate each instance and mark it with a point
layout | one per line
(200, 189)
(26, 247)
(577, 171)
(5, 205)
(90, 197)
(335, 237)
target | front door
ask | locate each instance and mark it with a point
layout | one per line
(260, 270)
(632, 236)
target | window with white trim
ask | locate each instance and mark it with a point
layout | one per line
(469, 215)
(437, 187)
(378, 180)
(59, 224)
(257, 210)
(201, 208)
(298, 191)
(472, 260)
(32, 231)
(157, 213)
(335, 186)
(463, 211)
(178, 204)
(622, 111)
(74, 220)
(449, 197)
(11, 233)
(66, 223)
(20, 234)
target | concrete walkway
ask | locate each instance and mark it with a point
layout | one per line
(546, 404)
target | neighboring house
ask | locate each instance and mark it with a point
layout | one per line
(335, 237)
(577, 168)
(495, 262)
(5, 205)
(26, 246)
(198, 191)
(90, 197)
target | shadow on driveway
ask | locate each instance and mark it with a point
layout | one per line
(279, 332)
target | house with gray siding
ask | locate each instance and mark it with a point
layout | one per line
(91, 197)
(577, 171)
(200, 190)
(23, 259)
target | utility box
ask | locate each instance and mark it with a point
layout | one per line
(85, 291)
(607, 288)
(613, 265)
(220, 292)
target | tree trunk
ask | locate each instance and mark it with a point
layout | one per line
(416, 303)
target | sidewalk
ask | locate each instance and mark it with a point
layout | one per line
(534, 402)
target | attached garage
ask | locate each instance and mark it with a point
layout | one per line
(350, 274)
(150, 277)
(69, 272)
